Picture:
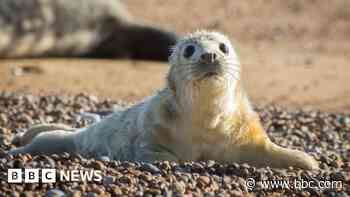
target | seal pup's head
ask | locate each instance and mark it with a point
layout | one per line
(204, 72)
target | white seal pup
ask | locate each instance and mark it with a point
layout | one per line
(78, 28)
(201, 114)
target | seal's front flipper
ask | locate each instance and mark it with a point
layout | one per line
(284, 157)
(275, 156)
(258, 150)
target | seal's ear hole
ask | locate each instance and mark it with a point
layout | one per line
(223, 48)
(189, 51)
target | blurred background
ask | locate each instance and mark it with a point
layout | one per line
(294, 53)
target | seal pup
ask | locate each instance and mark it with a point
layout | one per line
(202, 113)
(79, 28)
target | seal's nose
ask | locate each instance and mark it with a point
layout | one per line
(208, 57)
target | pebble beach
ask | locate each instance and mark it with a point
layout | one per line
(326, 136)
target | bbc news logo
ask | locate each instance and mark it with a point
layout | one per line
(32, 175)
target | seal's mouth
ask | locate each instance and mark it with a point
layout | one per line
(209, 75)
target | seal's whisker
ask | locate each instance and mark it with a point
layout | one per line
(234, 74)
(230, 70)
(232, 62)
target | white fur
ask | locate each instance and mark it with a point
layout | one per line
(200, 106)
(202, 114)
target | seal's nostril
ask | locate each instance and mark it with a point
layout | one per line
(208, 57)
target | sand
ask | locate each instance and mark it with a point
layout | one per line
(294, 54)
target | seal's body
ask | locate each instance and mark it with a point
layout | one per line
(202, 114)
(79, 28)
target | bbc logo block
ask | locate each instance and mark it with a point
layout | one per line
(14, 175)
(31, 175)
(48, 175)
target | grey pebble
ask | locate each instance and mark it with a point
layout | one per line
(92, 194)
(55, 193)
(107, 180)
(104, 158)
(150, 168)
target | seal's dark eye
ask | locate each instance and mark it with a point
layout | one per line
(189, 51)
(223, 48)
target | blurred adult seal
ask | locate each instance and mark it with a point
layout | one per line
(203, 113)
(78, 28)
